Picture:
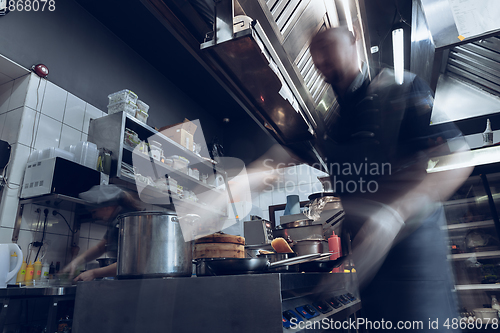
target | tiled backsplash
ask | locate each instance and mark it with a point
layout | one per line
(37, 114)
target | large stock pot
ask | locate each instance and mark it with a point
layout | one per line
(151, 245)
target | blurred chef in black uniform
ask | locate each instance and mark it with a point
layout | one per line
(378, 150)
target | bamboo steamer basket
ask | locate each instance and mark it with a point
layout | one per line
(219, 246)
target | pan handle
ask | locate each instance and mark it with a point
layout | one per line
(299, 260)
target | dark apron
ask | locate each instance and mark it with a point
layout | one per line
(415, 281)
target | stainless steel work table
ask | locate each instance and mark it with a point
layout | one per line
(233, 303)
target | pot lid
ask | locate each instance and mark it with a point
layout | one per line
(147, 213)
(322, 194)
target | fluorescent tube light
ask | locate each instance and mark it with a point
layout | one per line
(398, 54)
(348, 16)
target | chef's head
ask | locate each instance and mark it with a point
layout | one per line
(335, 55)
(104, 213)
(106, 201)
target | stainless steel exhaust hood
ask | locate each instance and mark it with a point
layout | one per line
(266, 65)
(271, 62)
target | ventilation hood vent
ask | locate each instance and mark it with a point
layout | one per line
(478, 64)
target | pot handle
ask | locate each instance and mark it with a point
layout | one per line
(299, 260)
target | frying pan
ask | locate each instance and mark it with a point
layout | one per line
(321, 266)
(234, 266)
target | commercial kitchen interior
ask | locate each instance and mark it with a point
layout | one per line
(155, 48)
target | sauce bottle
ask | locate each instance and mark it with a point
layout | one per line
(335, 250)
(28, 279)
(52, 270)
(488, 134)
(22, 273)
(37, 270)
(45, 272)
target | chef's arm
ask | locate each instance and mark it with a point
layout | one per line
(89, 255)
(387, 223)
(435, 187)
(108, 271)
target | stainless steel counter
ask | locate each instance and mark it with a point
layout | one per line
(237, 303)
(37, 291)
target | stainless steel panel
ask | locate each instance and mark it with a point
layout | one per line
(271, 3)
(206, 304)
(304, 60)
(493, 71)
(109, 134)
(477, 63)
(224, 13)
(244, 304)
(440, 21)
(467, 76)
(474, 59)
(289, 10)
(442, 24)
(458, 99)
(245, 59)
(278, 8)
(299, 35)
(422, 47)
(473, 47)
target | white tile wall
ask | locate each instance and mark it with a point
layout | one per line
(48, 132)
(19, 91)
(54, 101)
(97, 231)
(5, 235)
(15, 171)
(69, 136)
(91, 112)
(84, 230)
(10, 131)
(28, 127)
(8, 206)
(36, 91)
(3, 116)
(37, 114)
(5, 92)
(74, 112)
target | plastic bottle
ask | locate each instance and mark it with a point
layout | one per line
(52, 270)
(335, 250)
(494, 303)
(13, 262)
(28, 279)
(22, 273)
(45, 272)
(37, 270)
(488, 134)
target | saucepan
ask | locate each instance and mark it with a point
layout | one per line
(235, 266)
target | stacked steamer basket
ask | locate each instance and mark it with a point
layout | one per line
(219, 245)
